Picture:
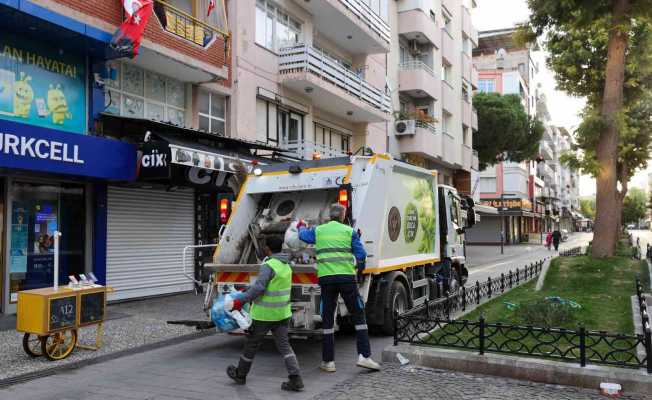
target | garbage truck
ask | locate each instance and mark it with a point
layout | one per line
(411, 226)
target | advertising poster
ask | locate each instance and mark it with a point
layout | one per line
(41, 85)
(19, 237)
(411, 220)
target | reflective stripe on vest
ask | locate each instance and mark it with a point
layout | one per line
(333, 249)
(274, 304)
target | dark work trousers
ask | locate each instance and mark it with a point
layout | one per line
(256, 335)
(556, 244)
(355, 305)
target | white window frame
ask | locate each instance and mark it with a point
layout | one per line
(483, 85)
(272, 8)
(211, 117)
(122, 92)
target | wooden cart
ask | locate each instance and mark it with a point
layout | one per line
(51, 317)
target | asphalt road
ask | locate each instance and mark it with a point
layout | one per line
(486, 261)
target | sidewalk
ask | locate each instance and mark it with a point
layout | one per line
(128, 326)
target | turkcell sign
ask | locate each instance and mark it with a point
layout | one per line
(34, 148)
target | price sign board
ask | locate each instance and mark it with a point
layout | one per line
(92, 308)
(63, 311)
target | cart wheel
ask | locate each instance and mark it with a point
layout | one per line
(32, 345)
(59, 345)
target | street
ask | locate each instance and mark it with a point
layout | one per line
(645, 237)
(486, 261)
(195, 369)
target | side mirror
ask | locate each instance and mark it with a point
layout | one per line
(470, 217)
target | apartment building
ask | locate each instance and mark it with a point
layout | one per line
(432, 83)
(514, 189)
(126, 158)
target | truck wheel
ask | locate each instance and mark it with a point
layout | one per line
(399, 302)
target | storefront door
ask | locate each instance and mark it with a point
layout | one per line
(36, 211)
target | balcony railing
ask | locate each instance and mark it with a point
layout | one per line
(425, 125)
(305, 149)
(417, 65)
(308, 59)
(369, 18)
(187, 27)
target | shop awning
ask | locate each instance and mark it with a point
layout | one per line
(485, 210)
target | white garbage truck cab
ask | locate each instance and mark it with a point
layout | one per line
(411, 227)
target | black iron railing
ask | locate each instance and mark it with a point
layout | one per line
(433, 328)
(572, 252)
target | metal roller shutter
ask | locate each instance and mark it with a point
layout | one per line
(146, 233)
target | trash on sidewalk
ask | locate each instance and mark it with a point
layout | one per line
(610, 389)
(557, 299)
(401, 359)
(510, 306)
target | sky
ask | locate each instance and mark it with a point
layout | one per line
(563, 109)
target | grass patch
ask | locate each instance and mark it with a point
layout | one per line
(602, 287)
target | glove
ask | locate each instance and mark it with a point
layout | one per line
(301, 224)
(360, 266)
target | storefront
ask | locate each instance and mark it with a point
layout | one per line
(48, 180)
(515, 219)
(185, 177)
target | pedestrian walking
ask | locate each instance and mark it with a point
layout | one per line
(340, 256)
(549, 240)
(270, 311)
(556, 239)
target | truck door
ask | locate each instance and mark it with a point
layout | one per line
(455, 239)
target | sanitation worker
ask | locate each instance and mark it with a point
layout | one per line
(270, 311)
(340, 255)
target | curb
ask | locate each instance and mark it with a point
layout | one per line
(542, 276)
(29, 376)
(535, 370)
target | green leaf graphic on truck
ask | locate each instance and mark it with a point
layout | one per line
(424, 195)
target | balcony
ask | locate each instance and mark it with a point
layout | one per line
(352, 24)
(331, 86)
(185, 26)
(448, 98)
(474, 77)
(415, 23)
(451, 156)
(467, 26)
(467, 157)
(467, 67)
(418, 80)
(425, 142)
(305, 149)
(450, 6)
(546, 150)
(467, 113)
(448, 47)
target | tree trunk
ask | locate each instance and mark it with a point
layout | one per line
(604, 241)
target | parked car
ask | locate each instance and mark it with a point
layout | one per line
(631, 226)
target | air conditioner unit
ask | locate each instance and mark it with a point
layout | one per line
(405, 127)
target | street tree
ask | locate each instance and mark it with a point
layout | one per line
(587, 207)
(598, 50)
(634, 206)
(504, 130)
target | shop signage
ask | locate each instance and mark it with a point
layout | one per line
(154, 161)
(204, 180)
(510, 204)
(205, 160)
(41, 85)
(39, 149)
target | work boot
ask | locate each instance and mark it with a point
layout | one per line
(294, 384)
(367, 362)
(232, 372)
(327, 366)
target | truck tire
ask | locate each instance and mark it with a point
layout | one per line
(398, 301)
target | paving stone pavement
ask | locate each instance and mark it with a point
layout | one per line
(412, 383)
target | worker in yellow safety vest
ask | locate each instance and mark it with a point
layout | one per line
(270, 311)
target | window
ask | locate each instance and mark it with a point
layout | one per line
(465, 92)
(274, 28)
(212, 112)
(446, 123)
(466, 46)
(446, 72)
(448, 21)
(277, 125)
(144, 94)
(466, 136)
(331, 139)
(486, 86)
(345, 63)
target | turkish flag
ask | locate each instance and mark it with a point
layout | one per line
(126, 40)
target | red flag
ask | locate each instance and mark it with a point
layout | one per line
(211, 6)
(126, 40)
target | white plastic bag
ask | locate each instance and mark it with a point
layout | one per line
(291, 238)
(242, 318)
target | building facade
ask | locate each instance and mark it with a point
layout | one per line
(514, 189)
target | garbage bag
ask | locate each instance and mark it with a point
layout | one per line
(291, 238)
(229, 321)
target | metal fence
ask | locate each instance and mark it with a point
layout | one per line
(574, 345)
(572, 252)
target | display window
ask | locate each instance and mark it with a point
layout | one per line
(37, 211)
